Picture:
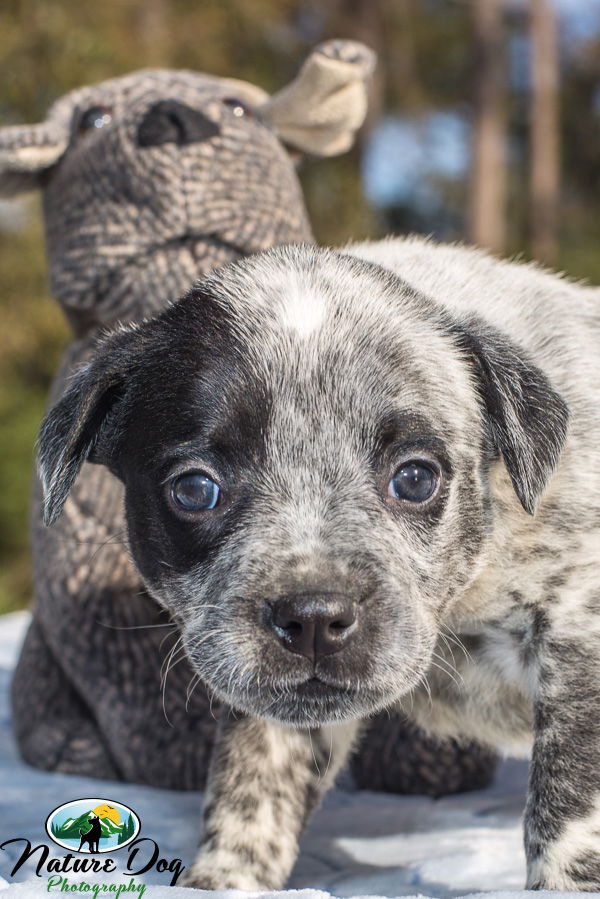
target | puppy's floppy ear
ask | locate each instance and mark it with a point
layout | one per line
(82, 423)
(26, 152)
(527, 418)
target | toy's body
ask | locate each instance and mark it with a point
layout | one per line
(149, 182)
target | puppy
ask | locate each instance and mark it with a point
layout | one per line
(358, 480)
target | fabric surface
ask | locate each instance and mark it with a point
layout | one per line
(358, 844)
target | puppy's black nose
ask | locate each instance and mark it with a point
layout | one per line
(314, 626)
(170, 121)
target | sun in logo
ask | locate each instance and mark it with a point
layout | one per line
(107, 811)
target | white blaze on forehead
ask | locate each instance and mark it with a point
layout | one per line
(303, 309)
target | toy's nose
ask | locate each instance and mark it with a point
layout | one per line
(170, 121)
(314, 626)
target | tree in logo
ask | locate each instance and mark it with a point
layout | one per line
(128, 830)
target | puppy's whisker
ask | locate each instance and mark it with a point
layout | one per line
(194, 681)
(451, 635)
(116, 539)
(134, 627)
(424, 683)
(330, 751)
(167, 666)
(451, 672)
(109, 542)
(177, 645)
(166, 637)
(312, 749)
(211, 699)
(449, 648)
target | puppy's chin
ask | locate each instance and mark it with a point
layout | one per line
(310, 703)
(313, 704)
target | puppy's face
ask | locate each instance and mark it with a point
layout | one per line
(305, 451)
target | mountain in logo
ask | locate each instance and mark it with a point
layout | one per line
(72, 827)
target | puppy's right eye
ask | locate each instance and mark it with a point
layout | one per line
(195, 492)
(414, 482)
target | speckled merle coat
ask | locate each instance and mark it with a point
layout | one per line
(148, 181)
(403, 440)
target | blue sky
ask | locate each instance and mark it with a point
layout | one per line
(405, 156)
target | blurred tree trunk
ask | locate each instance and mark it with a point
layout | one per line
(154, 32)
(544, 165)
(487, 187)
(404, 63)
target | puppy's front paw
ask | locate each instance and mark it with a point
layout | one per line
(567, 874)
(205, 882)
(205, 876)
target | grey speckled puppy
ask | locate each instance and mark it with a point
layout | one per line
(364, 479)
(149, 181)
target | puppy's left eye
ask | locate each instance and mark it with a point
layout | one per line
(195, 492)
(415, 482)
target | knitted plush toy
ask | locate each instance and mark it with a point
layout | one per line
(148, 182)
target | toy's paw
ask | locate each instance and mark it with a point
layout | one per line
(321, 110)
(352, 52)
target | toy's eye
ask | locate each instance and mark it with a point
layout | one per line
(94, 117)
(195, 492)
(238, 107)
(415, 482)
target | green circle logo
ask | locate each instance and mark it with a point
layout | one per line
(92, 826)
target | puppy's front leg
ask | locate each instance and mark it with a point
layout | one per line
(562, 819)
(265, 779)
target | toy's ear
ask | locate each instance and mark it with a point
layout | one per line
(254, 96)
(527, 418)
(83, 423)
(26, 151)
(320, 111)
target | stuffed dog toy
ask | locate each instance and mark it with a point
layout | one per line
(361, 480)
(149, 181)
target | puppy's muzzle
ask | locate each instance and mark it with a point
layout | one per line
(314, 625)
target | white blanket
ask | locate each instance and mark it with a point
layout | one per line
(358, 844)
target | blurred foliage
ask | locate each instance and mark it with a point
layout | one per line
(32, 334)
(425, 48)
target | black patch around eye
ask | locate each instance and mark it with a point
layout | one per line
(238, 107)
(95, 117)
